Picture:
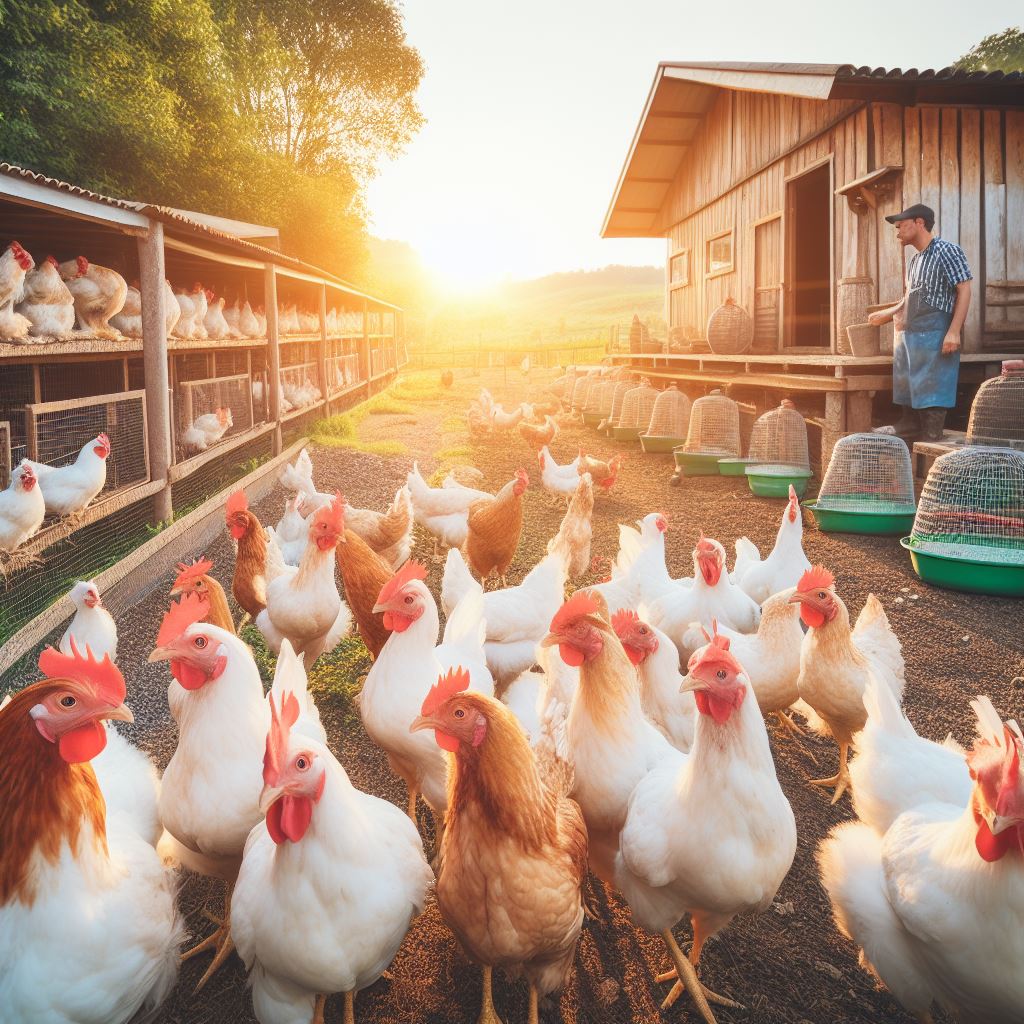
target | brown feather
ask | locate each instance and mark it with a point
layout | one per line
(248, 584)
(494, 528)
(363, 575)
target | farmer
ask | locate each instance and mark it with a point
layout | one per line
(928, 320)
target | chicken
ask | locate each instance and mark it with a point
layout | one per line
(186, 324)
(540, 699)
(639, 574)
(933, 896)
(232, 315)
(216, 326)
(172, 311)
(129, 320)
(447, 378)
(657, 663)
(363, 575)
(576, 530)
(711, 834)
(517, 617)
(67, 490)
(261, 321)
(77, 879)
(292, 530)
(503, 420)
(248, 324)
(199, 300)
(329, 861)
(513, 858)
(209, 804)
(480, 423)
(249, 582)
(785, 565)
(604, 474)
(303, 604)
(48, 303)
(836, 662)
(14, 265)
(558, 481)
(405, 669)
(297, 477)
(388, 533)
(494, 529)
(442, 511)
(207, 429)
(195, 578)
(92, 627)
(22, 507)
(539, 437)
(99, 294)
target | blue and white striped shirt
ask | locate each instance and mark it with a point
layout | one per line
(936, 270)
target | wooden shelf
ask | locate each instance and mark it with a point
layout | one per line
(864, 194)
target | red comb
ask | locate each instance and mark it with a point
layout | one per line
(454, 681)
(187, 573)
(277, 738)
(581, 603)
(51, 259)
(103, 440)
(716, 653)
(237, 502)
(521, 474)
(333, 515)
(412, 570)
(622, 620)
(816, 578)
(83, 265)
(187, 609)
(103, 675)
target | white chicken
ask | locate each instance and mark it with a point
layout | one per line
(129, 320)
(502, 420)
(248, 324)
(92, 626)
(186, 324)
(207, 429)
(442, 511)
(329, 861)
(202, 308)
(784, 565)
(558, 481)
(232, 314)
(292, 531)
(216, 326)
(22, 507)
(638, 574)
(99, 293)
(14, 265)
(67, 490)
(47, 302)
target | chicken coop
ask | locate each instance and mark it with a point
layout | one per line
(190, 342)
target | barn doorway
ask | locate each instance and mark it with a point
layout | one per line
(809, 260)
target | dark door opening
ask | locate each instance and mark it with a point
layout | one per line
(810, 276)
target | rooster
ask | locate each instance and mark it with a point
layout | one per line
(513, 859)
(207, 429)
(836, 662)
(712, 833)
(782, 568)
(67, 490)
(77, 878)
(99, 293)
(92, 627)
(442, 511)
(539, 437)
(22, 507)
(48, 303)
(363, 575)
(576, 530)
(494, 529)
(249, 582)
(195, 578)
(15, 263)
(330, 861)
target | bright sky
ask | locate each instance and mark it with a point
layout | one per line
(531, 107)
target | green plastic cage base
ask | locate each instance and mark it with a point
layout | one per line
(966, 574)
(868, 522)
(591, 419)
(659, 443)
(696, 463)
(735, 467)
(766, 484)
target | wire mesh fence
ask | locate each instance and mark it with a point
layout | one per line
(299, 386)
(217, 473)
(868, 473)
(5, 454)
(342, 372)
(209, 412)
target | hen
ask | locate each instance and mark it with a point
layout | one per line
(539, 437)
(196, 579)
(292, 530)
(329, 882)
(99, 293)
(249, 582)
(363, 575)
(14, 265)
(604, 474)
(47, 302)
(442, 511)
(129, 320)
(67, 490)
(22, 507)
(785, 564)
(576, 530)
(185, 327)
(92, 627)
(388, 533)
(214, 322)
(514, 854)
(558, 481)
(207, 429)
(494, 527)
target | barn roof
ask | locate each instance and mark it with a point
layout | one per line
(683, 92)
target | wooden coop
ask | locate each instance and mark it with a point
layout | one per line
(771, 182)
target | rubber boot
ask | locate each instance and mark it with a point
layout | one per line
(932, 423)
(907, 426)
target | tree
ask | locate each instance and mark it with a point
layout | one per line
(1002, 51)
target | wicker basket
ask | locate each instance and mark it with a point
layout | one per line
(730, 330)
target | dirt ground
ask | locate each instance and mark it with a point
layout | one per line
(789, 964)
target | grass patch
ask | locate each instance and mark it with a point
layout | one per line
(455, 424)
(384, 404)
(455, 451)
(387, 448)
(335, 429)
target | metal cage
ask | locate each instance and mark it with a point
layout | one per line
(868, 473)
(714, 427)
(997, 413)
(780, 436)
(670, 416)
(637, 407)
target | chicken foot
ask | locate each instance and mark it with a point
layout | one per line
(686, 972)
(220, 940)
(318, 1010)
(532, 1016)
(488, 1014)
(841, 780)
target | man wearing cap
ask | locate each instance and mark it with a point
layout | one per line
(928, 320)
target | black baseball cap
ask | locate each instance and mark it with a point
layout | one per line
(926, 213)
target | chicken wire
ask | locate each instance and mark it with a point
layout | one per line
(581, 391)
(219, 472)
(618, 397)
(16, 392)
(868, 473)
(780, 436)
(599, 399)
(714, 427)
(637, 406)
(972, 506)
(300, 386)
(342, 372)
(198, 425)
(997, 413)
(670, 416)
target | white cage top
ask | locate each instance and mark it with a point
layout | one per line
(868, 473)
(714, 427)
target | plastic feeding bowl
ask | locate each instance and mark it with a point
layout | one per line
(622, 388)
(778, 455)
(713, 433)
(599, 402)
(637, 407)
(670, 419)
(868, 487)
(997, 413)
(969, 530)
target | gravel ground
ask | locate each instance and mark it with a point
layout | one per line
(789, 964)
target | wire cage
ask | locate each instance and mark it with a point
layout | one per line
(342, 372)
(209, 412)
(581, 391)
(299, 387)
(969, 529)
(778, 457)
(997, 413)
(635, 415)
(670, 419)
(599, 402)
(730, 330)
(622, 388)
(714, 427)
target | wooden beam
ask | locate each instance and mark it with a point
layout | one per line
(31, 193)
(676, 115)
(322, 348)
(273, 354)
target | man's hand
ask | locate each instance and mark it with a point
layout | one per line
(899, 321)
(950, 344)
(879, 317)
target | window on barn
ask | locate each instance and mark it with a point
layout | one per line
(679, 269)
(719, 254)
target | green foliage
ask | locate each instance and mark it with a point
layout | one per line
(1002, 51)
(454, 424)
(455, 451)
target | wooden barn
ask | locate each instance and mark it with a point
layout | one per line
(771, 183)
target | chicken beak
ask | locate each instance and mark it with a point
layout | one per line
(999, 824)
(379, 607)
(550, 640)
(421, 722)
(268, 796)
(120, 714)
(175, 591)
(798, 598)
(160, 654)
(691, 684)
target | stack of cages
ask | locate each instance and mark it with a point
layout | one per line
(670, 420)
(868, 487)
(997, 413)
(713, 433)
(213, 400)
(969, 530)
(637, 408)
(622, 388)
(778, 458)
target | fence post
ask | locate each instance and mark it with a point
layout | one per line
(152, 287)
(364, 347)
(273, 354)
(322, 359)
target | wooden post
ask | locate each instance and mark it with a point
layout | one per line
(152, 276)
(364, 347)
(273, 355)
(835, 424)
(321, 361)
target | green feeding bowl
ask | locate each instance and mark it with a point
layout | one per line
(879, 519)
(625, 433)
(655, 443)
(768, 481)
(592, 419)
(696, 463)
(969, 575)
(735, 467)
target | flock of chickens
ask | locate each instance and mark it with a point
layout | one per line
(620, 730)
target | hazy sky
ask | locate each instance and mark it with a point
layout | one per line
(531, 106)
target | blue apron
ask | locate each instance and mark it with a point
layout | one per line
(922, 377)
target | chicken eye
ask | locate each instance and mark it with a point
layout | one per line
(301, 762)
(199, 584)
(200, 642)
(721, 673)
(459, 713)
(643, 631)
(821, 595)
(67, 701)
(408, 599)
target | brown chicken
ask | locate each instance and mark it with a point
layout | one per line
(574, 535)
(513, 856)
(99, 294)
(389, 533)
(603, 473)
(249, 584)
(363, 574)
(494, 528)
(196, 579)
(541, 435)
